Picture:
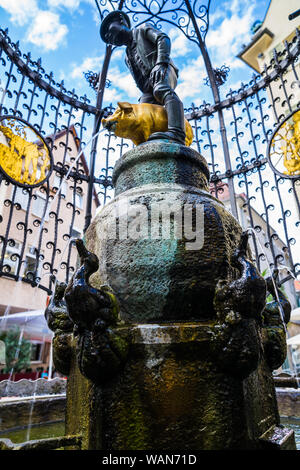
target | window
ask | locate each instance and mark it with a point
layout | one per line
(59, 182)
(279, 48)
(36, 351)
(21, 197)
(75, 233)
(39, 206)
(79, 200)
(31, 265)
(69, 157)
(13, 263)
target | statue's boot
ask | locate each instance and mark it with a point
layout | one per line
(176, 128)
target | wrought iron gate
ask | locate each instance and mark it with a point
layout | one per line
(233, 135)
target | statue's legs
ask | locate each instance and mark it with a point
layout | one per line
(175, 112)
(163, 93)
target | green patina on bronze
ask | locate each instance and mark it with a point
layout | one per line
(60, 323)
(160, 162)
(126, 422)
(165, 280)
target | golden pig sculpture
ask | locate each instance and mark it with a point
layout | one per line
(138, 121)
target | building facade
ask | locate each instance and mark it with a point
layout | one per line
(24, 216)
(259, 243)
(269, 40)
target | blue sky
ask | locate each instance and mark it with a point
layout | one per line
(65, 34)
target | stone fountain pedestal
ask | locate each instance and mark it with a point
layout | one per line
(195, 377)
(154, 275)
(171, 396)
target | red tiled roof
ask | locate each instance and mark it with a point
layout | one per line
(297, 285)
(223, 191)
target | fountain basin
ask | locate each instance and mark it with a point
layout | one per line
(37, 432)
(288, 400)
(18, 412)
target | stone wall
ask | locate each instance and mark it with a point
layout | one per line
(27, 388)
(288, 400)
(15, 414)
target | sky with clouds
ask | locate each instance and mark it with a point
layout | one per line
(65, 34)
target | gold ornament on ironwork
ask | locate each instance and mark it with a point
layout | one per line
(286, 145)
(23, 161)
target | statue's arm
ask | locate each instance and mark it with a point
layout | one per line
(162, 43)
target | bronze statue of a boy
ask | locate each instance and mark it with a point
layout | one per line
(148, 59)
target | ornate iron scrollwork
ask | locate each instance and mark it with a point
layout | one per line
(174, 12)
(220, 76)
(93, 80)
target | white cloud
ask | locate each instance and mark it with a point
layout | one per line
(74, 6)
(122, 85)
(118, 54)
(191, 79)
(180, 45)
(125, 83)
(231, 30)
(111, 95)
(71, 4)
(46, 31)
(20, 10)
(90, 63)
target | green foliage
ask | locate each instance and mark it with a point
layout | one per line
(17, 350)
(270, 297)
(264, 273)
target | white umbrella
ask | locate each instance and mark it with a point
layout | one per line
(294, 340)
(33, 323)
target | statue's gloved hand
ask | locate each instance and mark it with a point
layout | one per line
(158, 73)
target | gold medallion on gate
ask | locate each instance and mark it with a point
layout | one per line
(284, 147)
(25, 158)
